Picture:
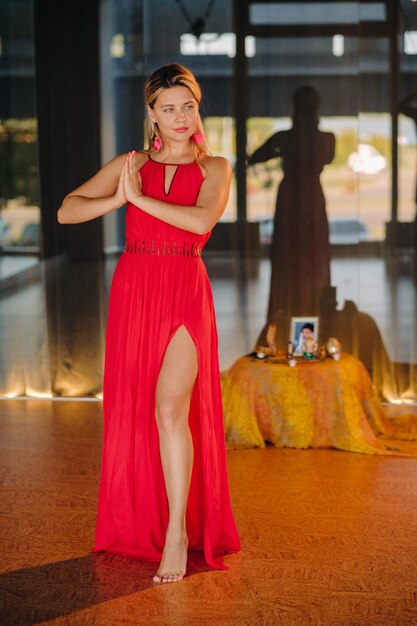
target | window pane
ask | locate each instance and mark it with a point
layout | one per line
(19, 182)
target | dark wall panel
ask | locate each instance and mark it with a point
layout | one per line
(68, 109)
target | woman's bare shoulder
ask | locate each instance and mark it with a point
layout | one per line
(141, 158)
(216, 165)
(116, 162)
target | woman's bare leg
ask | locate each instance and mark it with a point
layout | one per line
(173, 394)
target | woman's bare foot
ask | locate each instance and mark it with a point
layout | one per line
(174, 559)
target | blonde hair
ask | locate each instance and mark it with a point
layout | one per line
(173, 75)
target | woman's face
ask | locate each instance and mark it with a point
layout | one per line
(175, 111)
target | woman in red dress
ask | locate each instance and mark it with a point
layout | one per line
(164, 486)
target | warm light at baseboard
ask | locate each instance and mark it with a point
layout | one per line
(99, 396)
(11, 394)
(32, 393)
(403, 401)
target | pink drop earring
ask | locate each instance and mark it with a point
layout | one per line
(157, 143)
(198, 138)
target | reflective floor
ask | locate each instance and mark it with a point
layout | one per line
(328, 537)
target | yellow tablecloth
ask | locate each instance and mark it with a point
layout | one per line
(324, 404)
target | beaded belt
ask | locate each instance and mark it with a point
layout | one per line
(163, 248)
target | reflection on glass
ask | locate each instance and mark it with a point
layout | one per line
(24, 358)
(315, 13)
(408, 106)
(358, 171)
(300, 255)
(19, 185)
(219, 132)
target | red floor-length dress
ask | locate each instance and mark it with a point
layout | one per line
(159, 285)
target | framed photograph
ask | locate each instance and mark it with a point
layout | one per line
(301, 328)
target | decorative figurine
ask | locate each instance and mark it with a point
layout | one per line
(309, 348)
(334, 348)
(271, 348)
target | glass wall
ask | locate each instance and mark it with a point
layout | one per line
(330, 177)
(346, 53)
(19, 181)
(24, 354)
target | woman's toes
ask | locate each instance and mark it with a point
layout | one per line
(174, 556)
(169, 577)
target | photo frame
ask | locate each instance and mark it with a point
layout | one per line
(297, 326)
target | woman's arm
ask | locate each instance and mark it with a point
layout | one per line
(269, 150)
(101, 194)
(198, 219)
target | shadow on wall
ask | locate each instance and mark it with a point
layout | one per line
(300, 251)
(359, 335)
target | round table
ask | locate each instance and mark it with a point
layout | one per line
(316, 404)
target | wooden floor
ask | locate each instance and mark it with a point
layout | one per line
(328, 537)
